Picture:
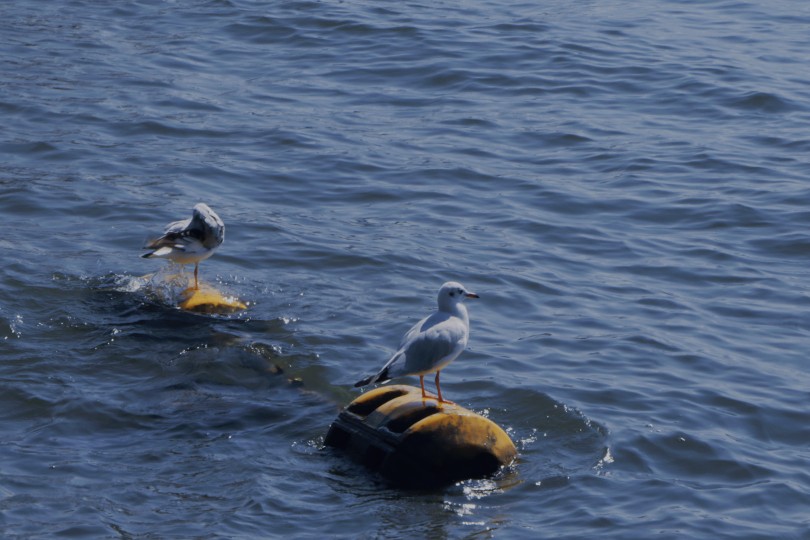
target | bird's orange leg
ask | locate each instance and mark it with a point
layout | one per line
(196, 283)
(439, 391)
(422, 384)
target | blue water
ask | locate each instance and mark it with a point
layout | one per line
(625, 184)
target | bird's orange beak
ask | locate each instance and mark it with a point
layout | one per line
(472, 295)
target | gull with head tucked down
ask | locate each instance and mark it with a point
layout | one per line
(191, 240)
(433, 342)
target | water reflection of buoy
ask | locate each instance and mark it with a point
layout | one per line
(413, 442)
(206, 299)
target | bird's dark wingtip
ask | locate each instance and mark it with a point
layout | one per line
(380, 377)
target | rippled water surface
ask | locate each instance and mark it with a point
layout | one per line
(625, 184)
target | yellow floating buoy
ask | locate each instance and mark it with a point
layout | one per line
(414, 442)
(206, 299)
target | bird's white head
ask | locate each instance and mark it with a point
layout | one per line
(451, 294)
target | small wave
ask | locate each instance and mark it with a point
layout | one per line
(763, 102)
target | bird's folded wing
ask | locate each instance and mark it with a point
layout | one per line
(176, 227)
(429, 348)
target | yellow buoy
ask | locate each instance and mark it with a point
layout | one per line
(414, 442)
(206, 299)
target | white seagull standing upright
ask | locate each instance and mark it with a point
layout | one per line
(433, 342)
(191, 240)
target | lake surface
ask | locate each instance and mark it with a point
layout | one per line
(625, 184)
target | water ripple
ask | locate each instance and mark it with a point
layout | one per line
(625, 188)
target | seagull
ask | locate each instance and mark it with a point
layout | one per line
(433, 342)
(191, 240)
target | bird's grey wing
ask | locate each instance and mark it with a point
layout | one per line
(411, 334)
(396, 364)
(179, 235)
(393, 367)
(172, 236)
(176, 227)
(433, 346)
(431, 321)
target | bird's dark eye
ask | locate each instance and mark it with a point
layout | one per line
(452, 294)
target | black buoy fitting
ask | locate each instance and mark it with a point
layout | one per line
(415, 442)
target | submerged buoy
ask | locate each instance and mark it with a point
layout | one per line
(206, 299)
(414, 442)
